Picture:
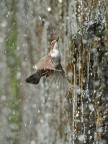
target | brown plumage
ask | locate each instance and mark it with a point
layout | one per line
(50, 67)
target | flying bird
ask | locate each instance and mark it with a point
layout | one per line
(50, 67)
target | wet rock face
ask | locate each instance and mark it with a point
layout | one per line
(44, 114)
(92, 75)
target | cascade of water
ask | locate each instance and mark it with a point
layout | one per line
(44, 114)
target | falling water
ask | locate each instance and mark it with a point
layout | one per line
(44, 113)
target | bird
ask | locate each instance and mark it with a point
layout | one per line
(50, 67)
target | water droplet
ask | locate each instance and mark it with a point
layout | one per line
(41, 121)
(100, 130)
(4, 23)
(67, 17)
(34, 105)
(49, 9)
(3, 97)
(91, 108)
(77, 114)
(79, 65)
(40, 18)
(60, 1)
(81, 137)
(38, 111)
(84, 41)
(18, 75)
(32, 142)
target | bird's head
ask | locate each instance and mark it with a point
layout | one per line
(54, 44)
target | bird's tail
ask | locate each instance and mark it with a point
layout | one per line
(35, 78)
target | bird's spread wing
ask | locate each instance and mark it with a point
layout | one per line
(46, 67)
(59, 79)
(45, 63)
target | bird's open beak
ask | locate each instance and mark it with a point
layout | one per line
(57, 39)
